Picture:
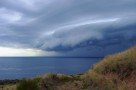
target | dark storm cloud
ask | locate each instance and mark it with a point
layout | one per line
(68, 25)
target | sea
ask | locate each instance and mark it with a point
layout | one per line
(29, 67)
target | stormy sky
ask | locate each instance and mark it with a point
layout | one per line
(79, 28)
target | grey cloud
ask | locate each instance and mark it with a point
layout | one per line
(72, 35)
(60, 25)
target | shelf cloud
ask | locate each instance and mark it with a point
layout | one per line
(67, 27)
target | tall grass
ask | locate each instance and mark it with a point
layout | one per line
(115, 72)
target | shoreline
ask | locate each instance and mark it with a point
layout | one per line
(114, 72)
(8, 81)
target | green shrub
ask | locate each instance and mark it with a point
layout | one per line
(30, 84)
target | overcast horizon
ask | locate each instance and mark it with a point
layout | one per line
(77, 28)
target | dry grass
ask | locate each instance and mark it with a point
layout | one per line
(115, 72)
(8, 87)
(118, 63)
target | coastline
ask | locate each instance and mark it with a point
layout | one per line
(114, 72)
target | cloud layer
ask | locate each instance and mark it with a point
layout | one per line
(68, 27)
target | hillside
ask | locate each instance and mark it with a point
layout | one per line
(114, 72)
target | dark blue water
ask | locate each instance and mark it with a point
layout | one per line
(26, 67)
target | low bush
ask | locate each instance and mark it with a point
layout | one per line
(28, 84)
